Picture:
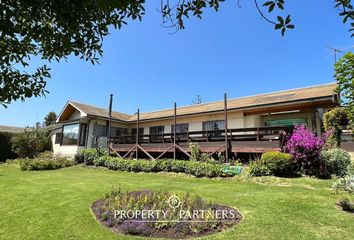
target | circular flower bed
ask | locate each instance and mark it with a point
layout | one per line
(162, 214)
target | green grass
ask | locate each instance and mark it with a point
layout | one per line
(55, 204)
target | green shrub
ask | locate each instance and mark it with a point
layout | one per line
(345, 184)
(337, 161)
(89, 156)
(45, 155)
(44, 164)
(195, 151)
(79, 158)
(198, 169)
(257, 169)
(31, 143)
(279, 164)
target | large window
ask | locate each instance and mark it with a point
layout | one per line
(118, 132)
(141, 131)
(157, 130)
(213, 125)
(83, 134)
(286, 122)
(70, 134)
(101, 131)
(180, 128)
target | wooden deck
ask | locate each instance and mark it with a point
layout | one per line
(245, 140)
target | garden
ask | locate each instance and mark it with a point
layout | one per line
(308, 187)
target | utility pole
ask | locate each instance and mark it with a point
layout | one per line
(110, 123)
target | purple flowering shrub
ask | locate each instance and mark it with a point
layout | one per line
(305, 147)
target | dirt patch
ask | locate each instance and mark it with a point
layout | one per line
(175, 230)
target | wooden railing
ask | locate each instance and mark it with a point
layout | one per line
(236, 134)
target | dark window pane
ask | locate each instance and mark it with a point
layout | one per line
(83, 134)
(214, 125)
(157, 130)
(101, 131)
(70, 134)
(141, 131)
(181, 128)
(118, 132)
(58, 138)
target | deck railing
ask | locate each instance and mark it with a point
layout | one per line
(237, 134)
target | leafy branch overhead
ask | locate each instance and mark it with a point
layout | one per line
(53, 30)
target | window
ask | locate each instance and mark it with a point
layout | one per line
(286, 122)
(58, 138)
(83, 133)
(70, 134)
(101, 131)
(214, 125)
(118, 132)
(157, 130)
(141, 131)
(181, 128)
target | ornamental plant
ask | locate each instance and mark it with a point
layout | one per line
(305, 148)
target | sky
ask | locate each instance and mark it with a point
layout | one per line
(233, 51)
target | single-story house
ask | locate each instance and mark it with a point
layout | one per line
(253, 124)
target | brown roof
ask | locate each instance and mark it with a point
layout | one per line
(11, 129)
(100, 112)
(294, 95)
(313, 92)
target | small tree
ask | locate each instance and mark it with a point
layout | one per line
(333, 121)
(50, 119)
(305, 147)
(344, 74)
(31, 143)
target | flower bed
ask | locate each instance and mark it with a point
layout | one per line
(162, 214)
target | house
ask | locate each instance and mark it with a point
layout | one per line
(252, 124)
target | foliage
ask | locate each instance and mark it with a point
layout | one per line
(337, 161)
(198, 169)
(195, 151)
(258, 169)
(346, 205)
(5, 147)
(345, 184)
(55, 30)
(50, 119)
(333, 121)
(305, 149)
(170, 222)
(344, 72)
(279, 164)
(79, 158)
(39, 164)
(31, 143)
(89, 155)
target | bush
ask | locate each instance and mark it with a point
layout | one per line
(258, 169)
(305, 149)
(279, 164)
(79, 158)
(5, 147)
(44, 164)
(333, 120)
(198, 169)
(89, 156)
(337, 161)
(345, 184)
(31, 143)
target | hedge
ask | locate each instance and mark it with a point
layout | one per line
(5, 147)
(198, 169)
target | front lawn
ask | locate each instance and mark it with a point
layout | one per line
(55, 204)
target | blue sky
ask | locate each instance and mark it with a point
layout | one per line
(232, 51)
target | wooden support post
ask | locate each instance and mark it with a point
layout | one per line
(137, 134)
(226, 129)
(174, 131)
(109, 123)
